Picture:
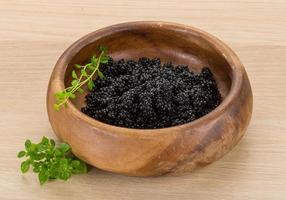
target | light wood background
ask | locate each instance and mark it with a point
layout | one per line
(34, 33)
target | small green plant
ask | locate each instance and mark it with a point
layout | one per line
(87, 73)
(49, 161)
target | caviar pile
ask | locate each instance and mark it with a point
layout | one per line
(148, 94)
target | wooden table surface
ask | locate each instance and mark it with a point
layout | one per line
(34, 33)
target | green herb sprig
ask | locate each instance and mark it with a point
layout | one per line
(49, 161)
(87, 73)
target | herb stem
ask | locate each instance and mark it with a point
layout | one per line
(76, 85)
(88, 78)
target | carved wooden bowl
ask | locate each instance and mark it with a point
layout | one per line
(153, 152)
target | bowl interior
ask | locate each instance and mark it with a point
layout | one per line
(170, 44)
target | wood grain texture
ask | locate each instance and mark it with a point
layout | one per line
(34, 33)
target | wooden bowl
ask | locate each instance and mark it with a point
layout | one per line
(153, 152)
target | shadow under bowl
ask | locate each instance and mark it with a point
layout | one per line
(153, 152)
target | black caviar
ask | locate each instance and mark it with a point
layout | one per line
(146, 94)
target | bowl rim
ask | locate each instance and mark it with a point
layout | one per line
(229, 55)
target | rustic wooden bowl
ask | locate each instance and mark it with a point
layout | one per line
(152, 152)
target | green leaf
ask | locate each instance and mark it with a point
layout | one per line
(74, 82)
(93, 61)
(104, 59)
(78, 66)
(74, 74)
(91, 68)
(80, 90)
(75, 163)
(90, 85)
(45, 140)
(58, 153)
(43, 176)
(82, 167)
(21, 154)
(28, 144)
(32, 149)
(56, 107)
(25, 166)
(100, 74)
(103, 48)
(64, 147)
(52, 142)
(36, 170)
(65, 175)
(73, 96)
(60, 95)
(51, 162)
(83, 73)
(64, 163)
(68, 90)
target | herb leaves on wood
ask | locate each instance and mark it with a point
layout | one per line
(49, 161)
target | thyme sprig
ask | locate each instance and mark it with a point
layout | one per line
(87, 73)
